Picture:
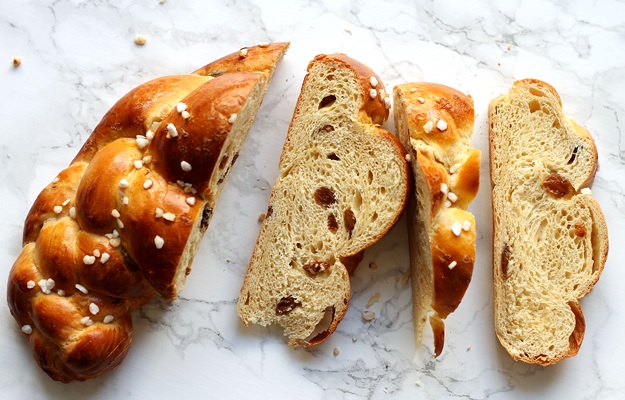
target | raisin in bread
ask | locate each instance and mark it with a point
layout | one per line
(435, 125)
(550, 238)
(343, 184)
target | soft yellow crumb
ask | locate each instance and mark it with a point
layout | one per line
(336, 351)
(261, 217)
(17, 61)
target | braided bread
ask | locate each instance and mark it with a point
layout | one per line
(435, 124)
(343, 184)
(124, 220)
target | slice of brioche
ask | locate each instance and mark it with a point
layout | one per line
(343, 184)
(550, 238)
(435, 125)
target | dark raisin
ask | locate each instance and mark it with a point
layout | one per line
(326, 128)
(269, 212)
(505, 259)
(286, 305)
(349, 219)
(206, 216)
(333, 157)
(580, 230)
(315, 267)
(333, 226)
(557, 185)
(325, 197)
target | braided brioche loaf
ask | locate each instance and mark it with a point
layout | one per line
(550, 239)
(435, 125)
(124, 220)
(343, 184)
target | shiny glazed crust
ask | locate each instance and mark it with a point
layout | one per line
(124, 220)
(435, 125)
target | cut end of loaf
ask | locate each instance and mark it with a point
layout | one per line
(550, 238)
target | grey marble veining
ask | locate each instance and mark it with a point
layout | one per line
(79, 57)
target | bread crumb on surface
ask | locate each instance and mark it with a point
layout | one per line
(347, 30)
(418, 383)
(261, 217)
(468, 348)
(374, 299)
(368, 315)
(373, 265)
(17, 61)
(406, 277)
(140, 40)
(336, 351)
(354, 339)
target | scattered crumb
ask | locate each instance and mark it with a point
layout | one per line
(348, 30)
(354, 339)
(499, 64)
(336, 351)
(468, 348)
(140, 40)
(368, 315)
(509, 47)
(17, 61)
(261, 217)
(418, 383)
(161, 1)
(406, 277)
(228, 260)
(374, 299)
(373, 265)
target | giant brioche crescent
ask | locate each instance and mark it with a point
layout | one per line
(124, 220)
(343, 183)
(435, 125)
(550, 238)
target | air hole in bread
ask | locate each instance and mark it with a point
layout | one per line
(326, 128)
(537, 93)
(330, 77)
(370, 177)
(333, 226)
(322, 328)
(247, 299)
(573, 155)
(374, 216)
(357, 200)
(534, 106)
(333, 157)
(327, 101)
(556, 124)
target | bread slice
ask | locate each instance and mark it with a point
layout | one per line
(343, 184)
(550, 240)
(435, 125)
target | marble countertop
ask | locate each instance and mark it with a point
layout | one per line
(78, 57)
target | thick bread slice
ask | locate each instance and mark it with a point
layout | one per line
(435, 124)
(343, 183)
(550, 239)
(124, 220)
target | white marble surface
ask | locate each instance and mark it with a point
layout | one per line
(79, 57)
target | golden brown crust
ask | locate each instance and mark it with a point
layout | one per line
(124, 219)
(436, 123)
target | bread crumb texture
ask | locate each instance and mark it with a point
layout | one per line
(550, 239)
